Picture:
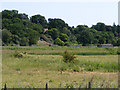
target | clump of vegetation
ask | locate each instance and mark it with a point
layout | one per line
(69, 86)
(17, 69)
(51, 81)
(68, 57)
(118, 52)
(111, 50)
(19, 54)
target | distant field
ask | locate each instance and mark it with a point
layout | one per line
(34, 70)
(59, 50)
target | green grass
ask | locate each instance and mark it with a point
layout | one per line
(77, 53)
(55, 48)
(35, 70)
(60, 50)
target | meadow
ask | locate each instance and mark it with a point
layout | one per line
(45, 64)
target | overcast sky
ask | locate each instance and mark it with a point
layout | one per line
(73, 12)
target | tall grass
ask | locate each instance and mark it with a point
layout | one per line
(107, 63)
(35, 71)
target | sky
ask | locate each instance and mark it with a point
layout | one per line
(73, 12)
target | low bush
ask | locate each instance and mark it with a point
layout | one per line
(68, 57)
(19, 54)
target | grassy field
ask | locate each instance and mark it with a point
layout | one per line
(60, 50)
(34, 70)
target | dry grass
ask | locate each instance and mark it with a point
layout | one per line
(36, 70)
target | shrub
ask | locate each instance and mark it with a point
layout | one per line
(69, 86)
(51, 81)
(111, 50)
(19, 55)
(58, 41)
(68, 57)
(17, 69)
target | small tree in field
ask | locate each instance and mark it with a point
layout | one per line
(68, 57)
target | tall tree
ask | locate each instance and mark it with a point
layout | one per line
(39, 19)
(85, 37)
(99, 26)
(56, 23)
(54, 33)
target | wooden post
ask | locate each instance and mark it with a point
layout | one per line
(5, 88)
(89, 85)
(79, 87)
(46, 86)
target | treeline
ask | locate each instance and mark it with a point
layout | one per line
(17, 28)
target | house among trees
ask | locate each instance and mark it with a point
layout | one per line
(105, 45)
(73, 45)
(45, 29)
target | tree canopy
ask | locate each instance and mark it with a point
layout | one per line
(18, 28)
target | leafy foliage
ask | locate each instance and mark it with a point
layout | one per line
(68, 57)
(58, 42)
(17, 28)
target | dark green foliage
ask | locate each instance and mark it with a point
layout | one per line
(54, 33)
(59, 42)
(17, 28)
(56, 23)
(85, 37)
(18, 55)
(6, 35)
(39, 19)
(100, 27)
(17, 69)
(68, 57)
(64, 37)
(24, 41)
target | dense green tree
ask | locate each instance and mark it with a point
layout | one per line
(33, 36)
(118, 42)
(118, 29)
(85, 37)
(64, 37)
(108, 28)
(65, 30)
(79, 28)
(5, 23)
(72, 39)
(23, 16)
(54, 33)
(17, 28)
(102, 40)
(8, 14)
(99, 26)
(37, 27)
(39, 19)
(56, 23)
(16, 39)
(114, 29)
(58, 41)
(6, 36)
(24, 41)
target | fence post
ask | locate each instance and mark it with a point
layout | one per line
(79, 87)
(5, 88)
(89, 85)
(46, 86)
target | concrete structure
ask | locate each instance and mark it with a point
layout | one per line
(105, 45)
